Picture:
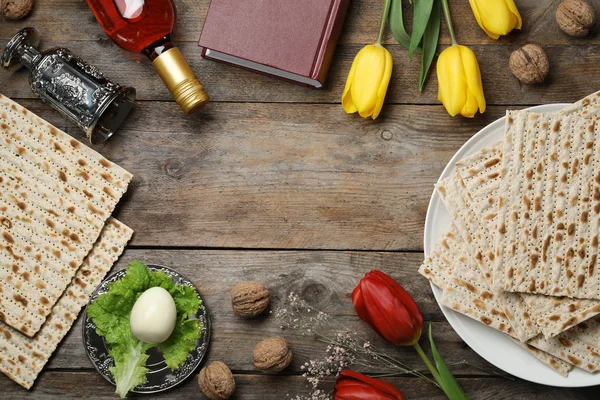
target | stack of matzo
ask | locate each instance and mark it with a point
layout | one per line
(522, 253)
(56, 196)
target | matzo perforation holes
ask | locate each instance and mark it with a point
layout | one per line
(75, 181)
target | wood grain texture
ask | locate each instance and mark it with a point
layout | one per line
(76, 22)
(574, 73)
(275, 176)
(324, 279)
(276, 166)
(55, 385)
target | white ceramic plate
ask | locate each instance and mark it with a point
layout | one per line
(489, 343)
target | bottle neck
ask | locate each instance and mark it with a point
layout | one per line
(28, 55)
(159, 47)
(180, 80)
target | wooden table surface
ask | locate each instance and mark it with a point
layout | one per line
(275, 183)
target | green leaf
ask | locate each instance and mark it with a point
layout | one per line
(186, 300)
(181, 342)
(110, 312)
(430, 42)
(449, 384)
(137, 277)
(187, 330)
(422, 11)
(130, 365)
(396, 24)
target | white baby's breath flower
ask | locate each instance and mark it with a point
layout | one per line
(345, 349)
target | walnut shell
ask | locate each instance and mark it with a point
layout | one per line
(575, 17)
(16, 9)
(272, 355)
(216, 381)
(529, 64)
(249, 299)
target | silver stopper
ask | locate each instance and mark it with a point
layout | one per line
(71, 85)
(21, 49)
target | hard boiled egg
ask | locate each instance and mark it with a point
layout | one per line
(153, 316)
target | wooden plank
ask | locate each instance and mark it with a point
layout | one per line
(76, 22)
(233, 341)
(573, 75)
(61, 385)
(275, 176)
(324, 279)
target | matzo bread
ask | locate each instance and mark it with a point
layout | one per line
(467, 294)
(552, 314)
(573, 306)
(438, 267)
(23, 358)
(585, 107)
(438, 263)
(481, 174)
(55, 195)
(548, 227)
(578, 345)
(560, 366)
(464, 293)
(472, 230)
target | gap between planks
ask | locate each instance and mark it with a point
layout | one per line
(291, 103)
(266, 249)
(300, 373)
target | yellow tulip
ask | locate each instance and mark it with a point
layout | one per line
(368, 81)
(459, 81)
(496, 17)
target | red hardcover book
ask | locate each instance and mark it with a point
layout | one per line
(290, 39)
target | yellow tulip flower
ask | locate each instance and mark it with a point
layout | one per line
(459, 81)
(496, 17)
(368, 81)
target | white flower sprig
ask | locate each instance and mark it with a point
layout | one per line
(345, 348)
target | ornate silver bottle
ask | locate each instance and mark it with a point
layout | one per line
(70, 85)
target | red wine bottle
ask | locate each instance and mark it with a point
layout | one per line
(146, 26)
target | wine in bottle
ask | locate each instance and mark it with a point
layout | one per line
(146, 26)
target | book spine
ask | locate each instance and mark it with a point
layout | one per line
(331, 34)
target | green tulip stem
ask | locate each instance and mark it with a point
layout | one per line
(449, 21)
(386, 11)
(428, 364)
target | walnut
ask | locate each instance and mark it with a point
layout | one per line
(216, 381)
(272, 355)
(249, 299)
(16, 9)
(575, 17)
(529, 64)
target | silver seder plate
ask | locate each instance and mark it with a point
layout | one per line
(160, 377)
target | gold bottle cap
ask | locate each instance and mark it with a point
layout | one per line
(180, 80)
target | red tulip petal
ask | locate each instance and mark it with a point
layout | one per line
(358, 302)
(388, 313)
(362, 393)
(407, 301)
(404, 296)
(359, 305)
(352, 385)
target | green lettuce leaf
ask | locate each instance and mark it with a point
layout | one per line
(183, 339)
(181, 342)
(130, 365)
(110, 312)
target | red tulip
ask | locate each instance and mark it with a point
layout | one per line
(383, 304)
(351, 385)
